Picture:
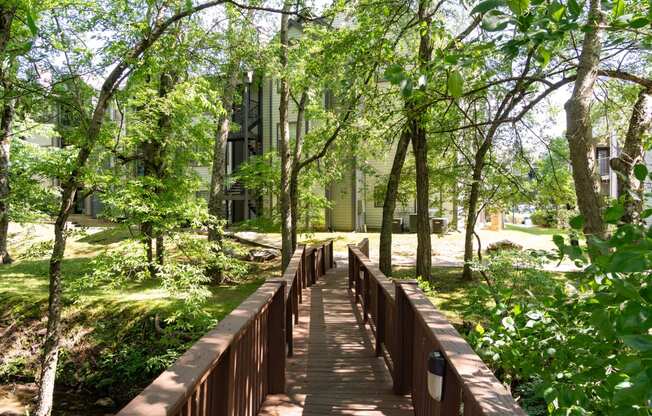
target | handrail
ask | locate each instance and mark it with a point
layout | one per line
(407, 328)
(231, 369)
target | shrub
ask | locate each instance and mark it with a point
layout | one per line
(38, 250)
(583, 347)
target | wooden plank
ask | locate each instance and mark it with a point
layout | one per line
(334, 369)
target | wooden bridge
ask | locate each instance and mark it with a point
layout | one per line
(327, 340)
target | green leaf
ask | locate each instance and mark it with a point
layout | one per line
(556, 11)
(577, 223)
(495, 21)
(638, 342)
(640, 172)
(188, 4)
(406, 87)
(485, 6)
(613, 214)
(574, 8)
(518, 7)
(394, 74)
(619, 8)
(455, 84)
(558, 240)
(628, 262)
(31, 23)
(639, 22)
(544, 55)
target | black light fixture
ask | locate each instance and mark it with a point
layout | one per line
(436, 371)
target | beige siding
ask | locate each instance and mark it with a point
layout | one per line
(374, 215)
(342, 209)
(205, 175)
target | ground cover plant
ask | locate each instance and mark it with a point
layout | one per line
(122, 327)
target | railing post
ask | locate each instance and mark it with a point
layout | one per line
(356, 277)
(322, 263)
(365, 295)
(288, 326)
(330, 246)
(295, 303)
(300, 285)
(380, 320)
(351, 261)
(404, 338)
(276, 342)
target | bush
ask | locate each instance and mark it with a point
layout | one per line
(583, 347)
(38, 250)
(544, 219)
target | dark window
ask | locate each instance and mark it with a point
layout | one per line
(602, 154)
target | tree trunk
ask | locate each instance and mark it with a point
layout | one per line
(420, 149)
(630, 188)
(5, 189)
(389, 205)
(455, 220)
(148, 242)
(474, 197)
(579, 129)
(53, 335)
(160, 250)
(471, 219)
(8, 104)
(153, 159)
(424, 250)
(286, 213)
(296, 167)
(218, 172)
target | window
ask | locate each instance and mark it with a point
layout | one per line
(602, 155)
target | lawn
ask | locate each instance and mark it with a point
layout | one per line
(118, 337)
(535, 230)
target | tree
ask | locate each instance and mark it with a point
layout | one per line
(239, 39)
(71, 184)
(17, 28)
(554, 191)
(579, 129)
(284, 142)
(630, 187)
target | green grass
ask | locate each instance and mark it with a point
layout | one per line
(112, 347)
(535, 230)
(452, 295)
(451, 292)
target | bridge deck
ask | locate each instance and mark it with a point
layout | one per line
(334, 369)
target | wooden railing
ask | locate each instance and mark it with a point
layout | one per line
(231, 370)
(407, 328)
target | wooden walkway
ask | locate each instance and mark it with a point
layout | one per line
(244, 366)
(334, 369)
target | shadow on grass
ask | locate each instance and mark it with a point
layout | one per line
(450, 294)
